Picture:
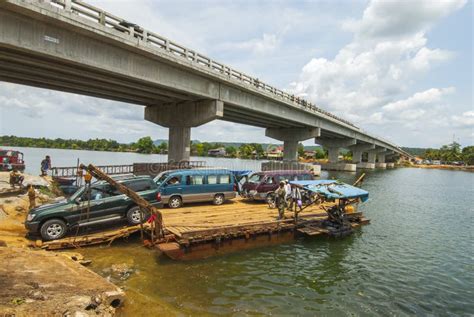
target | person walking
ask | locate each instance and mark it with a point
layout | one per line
(288, 194)
(280, 198)
(295, 198)
(45, 165)
(31, 196)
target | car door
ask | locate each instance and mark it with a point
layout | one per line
(173, 186)
(211, 186)
(268, 185)
(104, 205)
(195, 188)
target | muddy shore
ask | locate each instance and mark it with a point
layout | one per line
(36, 282)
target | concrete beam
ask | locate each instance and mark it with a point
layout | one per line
(185, 114)
(339, 143)
(179, 118)
(290, 138)
(298, 134)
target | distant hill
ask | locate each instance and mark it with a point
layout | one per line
(416, 151)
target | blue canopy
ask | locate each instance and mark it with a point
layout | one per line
(333, 189)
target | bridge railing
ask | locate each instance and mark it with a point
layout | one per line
(97, 15)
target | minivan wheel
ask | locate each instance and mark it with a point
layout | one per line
(219, 199)
(135, 216)
(53, 229)
(175, 202)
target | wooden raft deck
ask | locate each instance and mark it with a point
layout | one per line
(204, 221)
(201, 231)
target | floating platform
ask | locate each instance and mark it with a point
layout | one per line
(202, 231)
(198, 231)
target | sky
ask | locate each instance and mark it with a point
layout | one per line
(402, 70)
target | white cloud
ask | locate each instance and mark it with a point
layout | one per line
(384, 18)
(419, 99)
(266, 44)
(368, 79)
(466, 120)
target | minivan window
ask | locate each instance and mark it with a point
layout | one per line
(195, 180)
(224, 179)
(212, 179)
(255, 178)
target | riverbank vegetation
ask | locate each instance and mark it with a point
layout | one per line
(145, 145)
(451, 153)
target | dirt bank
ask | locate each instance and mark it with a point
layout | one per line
(36, 282)
(46, 283)
(468, 168)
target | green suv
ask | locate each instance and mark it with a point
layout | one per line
(53, 221)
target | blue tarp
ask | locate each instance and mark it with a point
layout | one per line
(332, 189)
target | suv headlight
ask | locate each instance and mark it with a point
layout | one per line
(253, 192)
(30, 217)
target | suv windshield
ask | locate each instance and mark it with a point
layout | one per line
(160, 178)
(255, 178)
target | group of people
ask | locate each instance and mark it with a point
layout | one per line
(287, 197)
(16, 179)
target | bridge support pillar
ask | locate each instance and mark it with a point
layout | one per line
(333, 147)
(179, 139)
(378, 153)
(180, 118)
(357, 151)
(290, 138)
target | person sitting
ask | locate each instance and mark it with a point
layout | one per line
(173, 181)
(16, 178)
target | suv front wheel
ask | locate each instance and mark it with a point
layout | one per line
(53, 229)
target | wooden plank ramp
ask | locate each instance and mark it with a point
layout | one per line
(108, 236)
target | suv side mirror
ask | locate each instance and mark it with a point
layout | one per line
(78, 200)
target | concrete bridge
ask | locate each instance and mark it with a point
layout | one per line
(70, 46)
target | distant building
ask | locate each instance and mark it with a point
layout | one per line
(309, 154)
(217, 152)
(274, 152)
(436, 162)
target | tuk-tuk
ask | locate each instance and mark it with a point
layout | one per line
(10, 159)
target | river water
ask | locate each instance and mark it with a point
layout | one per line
(415, 258)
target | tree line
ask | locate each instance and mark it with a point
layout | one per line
(450, 153)
(142, 145)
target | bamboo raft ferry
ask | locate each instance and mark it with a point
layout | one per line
(200, 231)
(196, 232)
